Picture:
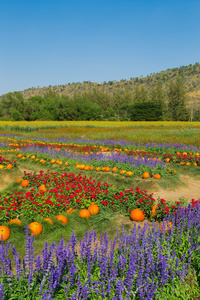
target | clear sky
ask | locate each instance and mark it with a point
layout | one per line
(55, 42)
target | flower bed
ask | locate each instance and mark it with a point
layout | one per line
(147, 264)
(7, 164)
(65, 190)
(137, 165)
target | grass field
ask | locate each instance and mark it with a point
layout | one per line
(170, 150)
(139, 132)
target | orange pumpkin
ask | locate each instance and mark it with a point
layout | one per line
(184, 153)
(70, 211)
(182, 163)
(91, 167)
(137, 215)
(25, 183)
(19, 180)
(129, 174)
(103, 169)
(1, 167)
(178, 153)
(115, 169)
(53, 161)
(107, 169)
(15, 221)
(93, 209)
(188, 164)
(167, 160)
(195, 164)
(48, 220)
(66, 163)
(165, 226)
(154, 210)
(9, 166)
(5, 232)
(145, 175)
(42, 188)
(86, 168)
(157, 176)
(84, 213)
(98, 169)
(19, 155)
(122, 172)
(197, 154)
(35, 228)
(61, 219)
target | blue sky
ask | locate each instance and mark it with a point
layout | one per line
(55, 42)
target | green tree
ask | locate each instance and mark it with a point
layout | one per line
(146, 111)
(143, 94)
(136, 97)
(176, 101)
(196, 116)
(12, 101)
(118, 99)
(128, 96)
(140, 94)
(124, 111)
(33, 108)
(153, 95)
(16, 115)
(160, 99)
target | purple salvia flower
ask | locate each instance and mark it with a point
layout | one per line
(17, 262)
(46, 296)
(2, 291)
(38, 263)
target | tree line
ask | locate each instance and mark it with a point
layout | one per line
(145, 105)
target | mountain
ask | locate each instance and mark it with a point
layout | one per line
(190, 75)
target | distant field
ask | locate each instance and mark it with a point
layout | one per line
(160, 132)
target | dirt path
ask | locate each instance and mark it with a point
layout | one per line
(190, 190)
(11, 176)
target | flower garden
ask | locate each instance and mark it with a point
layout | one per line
(61, 236)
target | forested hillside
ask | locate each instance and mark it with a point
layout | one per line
(190, 75)
(173, 94)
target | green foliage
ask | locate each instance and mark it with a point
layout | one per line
(177, 101)
(16, 115)
(57, 102)
(196, 116)
(146, 111)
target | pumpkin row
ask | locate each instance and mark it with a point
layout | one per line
(87, 168)
(115, 170)
(36, 227)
